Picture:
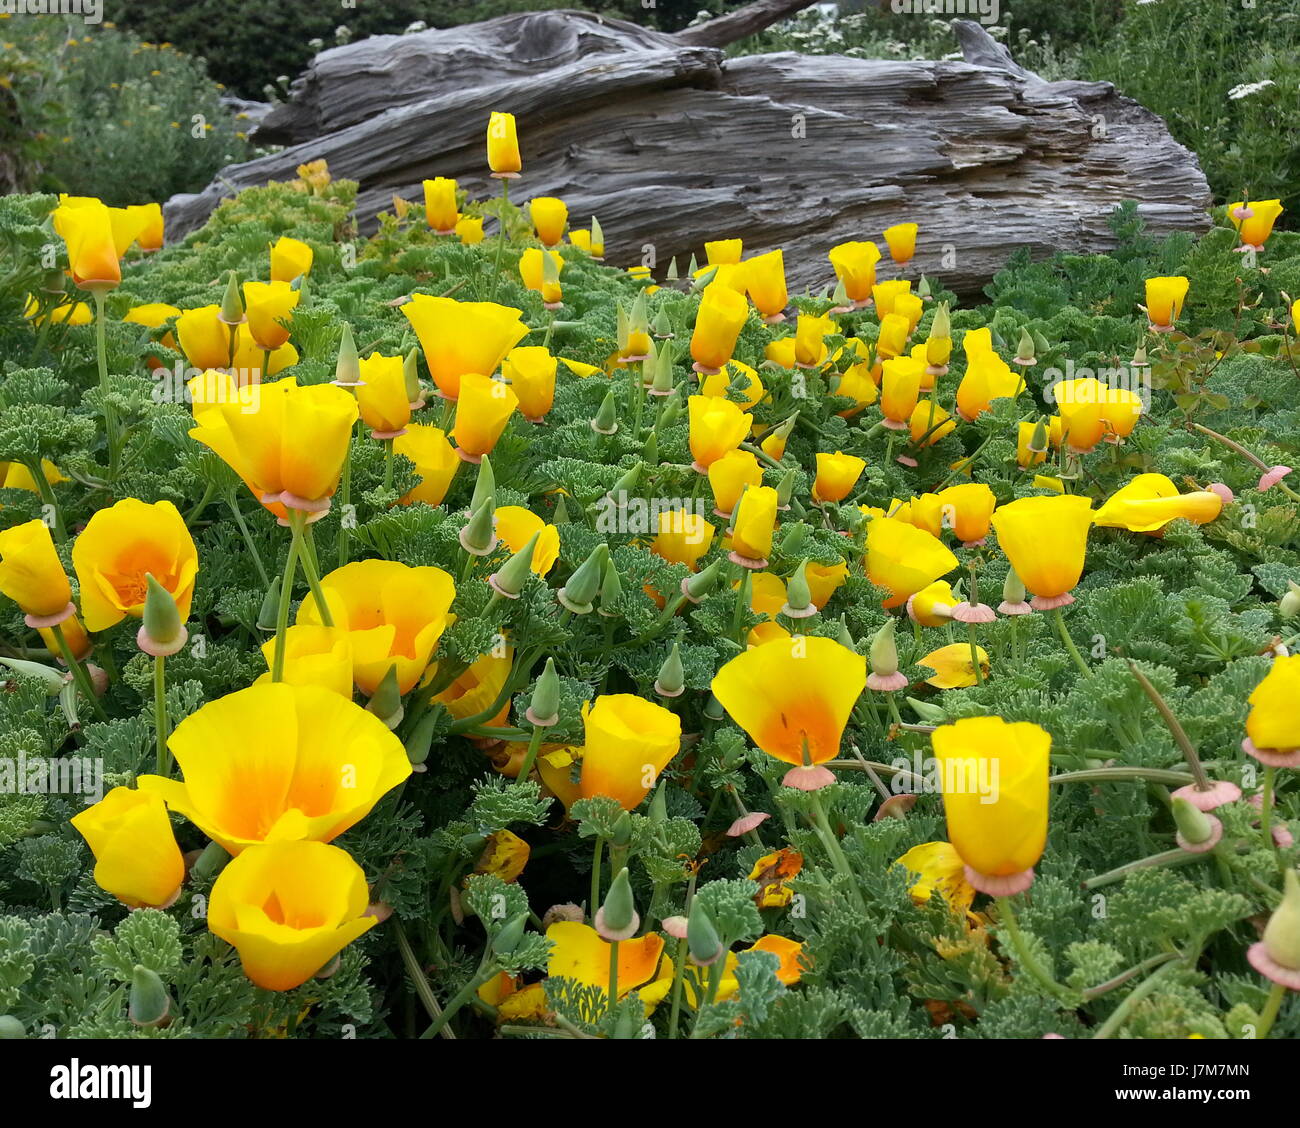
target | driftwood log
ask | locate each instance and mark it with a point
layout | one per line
(669, 144)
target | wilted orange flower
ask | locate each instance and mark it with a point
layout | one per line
(774, 872)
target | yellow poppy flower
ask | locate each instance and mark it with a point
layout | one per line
(289, 908)
(994, 780)
(901, 239)
(903, 559)
(1025, 457)
(810, 339)
(482, 412)
(71, 313)
(717, 426)
(941, 870)
(505, 856)
(313, 655)
(1274, 720)
(1046, 539)
(932, 605)
(900, 386)
(752, 526)
(204, 338)
(435, 461)
(952, 666)
(530, 372)
(267, 305)
(152, 315)
(892, 339)
(723, 252)
(516, 526)
(460, 337)
(930, 423)
(1150, 501)
(988, 377)
(91, 232)
(136, 856)
(382, 396)
(729, 476)
(477, 689)
(469, 229)
(440, 210)
(855, 266)
(629, 741)
(910, 306)
(290, 259)
(278, 763)
(824, 580)
(720, 382)
(1081, 403)
(579, 953)
(395, 615)
(31, 573)
(837, 474)
(968, 508)
(856, 384)
(682, 537)
(502, 144)
(1120, 411)
(774, 872)
(532, 270)
(1165, 297)
(1255, 229)
(765, 283)
(549, 216)
(718, 321)
(150, 217)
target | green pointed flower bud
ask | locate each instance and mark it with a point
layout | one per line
(1041, 344)
(798, 598)
(544, 709)
(485, 485)
(478, 537)
(623, 328)
(702, 938)
(1281, 937)
(843, 636)
(1039, 440)
(512, 932)
(841, 295)
(626, 483)
(785, 491)
(386, 703)
(662, 383)
(792, 540)
(550, 270)
(701, 583)
(1289, 605)
(672, 411)
(211, 861)
(411, 374)
(162, 632)
(347, 369)
(270, 609)
(11, 1029)
(657, 812)
(606, 421)
(704, 279)
(638, 319)
(579, 594)
(597, 237)
(884, 652)
(650, 448)
(420, 742)
(509, 579)
(923, 290)
(671, 273)
(662, 326)
(232, 302)
(561, 514)
(53, 679)
(713, 708)
(671, 681)
(148, 1003)
(1194, 825)
(1013, 588)
(941, 326)
(621, 832)
(929, 714)
(692, 267)
(1140, 357)
(617, 918)
(611, 591)
(1025, 349)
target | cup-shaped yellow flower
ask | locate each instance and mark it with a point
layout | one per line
(901, 239)
(503, 145)
(550, 216)
(856, 384)
(903, 559)
(628, 742)
(987, 377)
(290, 259)
(823, 581)
(532, 270)
(1046, 539)
(204, 338)
(894, 331)
(136, 856)
(900, 387)
(277, 762)
(1026, 456)
(911, 306)
(1165, 297)
(717, 426)
(31, 573)
(395, 615)
(682, 537)
(460, 337)
(1150, 501)
(120, 547)
(1273, 723)
(1081, 403)
(469, 230)
(793, 697)
(837, 474)
(929, 423)
(87, 229)
(723, 252)
(477, 689)
(855, 266)
(765, 284)
(1120, 411)
(993, 775)
(440, 210)
(382, 396)
(952, 666)
(268, 306)
(752, 526)
(151, 232)
(289, 908)
(932, 605)
(314, 655)
(886, 294)
(967, 509)
(516, 526)
(1255, 228)
(530, 371)
(286, 442)
(810, 339)
(718, 321)
(939, 869)
(482, 412)
(435, 461)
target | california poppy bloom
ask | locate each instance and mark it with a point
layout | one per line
(534, 266)
(382, 395)
(753, 523)
(460, 337)
(900, 385)
(530, 372)
(987, 377)
(1273, 724)
(151, 230)
(289, 908)
(549, 216)
(122, 545)
(1165, 297)
(837, 474)
(953, 667)
(87, 228)
(718, 321)
(824, 580)
(628, 743)
(932, 605)
(268, 305)
(729, 476)
(204, 338)
(469, 230)
(278, 762)
(516, 526)
(727, 379)
(395, 615)
(717, 426)
(578, 952)
(482, 412)
(939, 869)
(503, 145)
(903, 559)
(1081, 403)
(855, 266)
(682, 537)
(723, 252)
(440, 210)
(435, 461)
(314, 655)
(1046, 539)
(968, 508)
(765, 283)
(892, 339)
(1150, 501)
(136, 856)
(1254, 229)
(291, 259)
(994, 780)
(793, 697)
(478, 688)
(31, 573)
(901, 239)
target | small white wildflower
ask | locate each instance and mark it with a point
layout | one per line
(1246, 89)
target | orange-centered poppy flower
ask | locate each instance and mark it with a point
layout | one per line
(855, 266)
(460, 337)
(628, 742)
(837, 474)
(268, 305)
(1046, 539)
(482, 412)
(530, 372)
(503, 145)
(290, 259)
(1258, 226)
(549, 216)
(901, 239)
(718, 321)
(717, 426)
(903, 559)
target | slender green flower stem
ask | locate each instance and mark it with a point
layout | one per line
(47, 496)
(1058, 990)
(307, 553)
(1111, 1026)
(1176, 730)
(163, 757)
(594, 903)
(233, 503)
(1125, 976)
(418, 979)
(79, 672)
(501, 236)
(1015, 641)
(530, 757)
(1269, 1014)
(613, 973)
(973, 637)
(1068, 642)
(710, 992)
(282, 613)
(101, 355)
(388, 464)
(832, 846)
(1268, 798)
(679, 964)
(1167, 858)
(1116, 774)
(345, 500)
(486, 970)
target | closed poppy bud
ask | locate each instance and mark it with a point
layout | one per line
(717, 426)
(617, 918)
(901, 239)
(1165, 297)
(1277, 953)
(435, 462)
(392, 613)
(900, 386)
(1150, 501)
(729, 476)
(347, 365)
(150, 217)
(469, 229)
(502, 145)
(837, 474)
(810, 339)
(671, 679)
(1255, 228)
(753, 523)
(579, 594)
(268, 305)
(534, 266)
(289, 908)
(147, 1001)
(793, 697)
(549, 217)
(291, 259)
(317, 770)
(120, 547)
(460, 337)
(894, 331)
(161, 633)
(544, 708)
(1031, 443)
(682, 537)
(904, 559)
(765, 282)
(718, 322)
(87, 229)
(530, 371)
(628, 742)
(1273, 724)
(31, 573)
(482, 412)
(855, 267)
(1046, 539)
(773, 444)
(440, 210)
(1288, 607)
(382, 397)
(702, 940)
(994, 780)
(136, 856)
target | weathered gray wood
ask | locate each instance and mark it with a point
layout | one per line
(669, 145)
(749, 20)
